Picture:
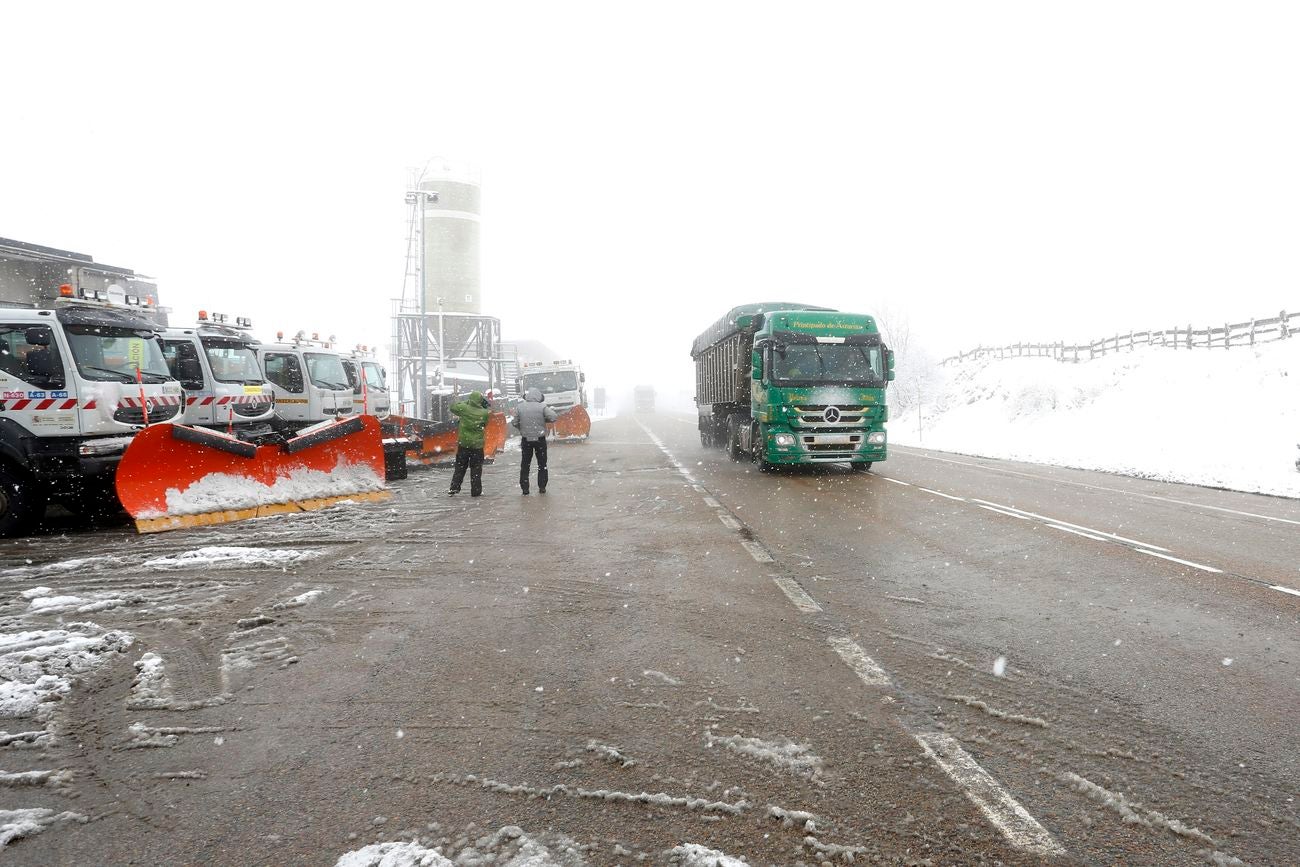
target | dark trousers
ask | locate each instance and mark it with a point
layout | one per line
(471, 459)
(530, 448)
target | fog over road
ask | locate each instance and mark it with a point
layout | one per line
(948, 660)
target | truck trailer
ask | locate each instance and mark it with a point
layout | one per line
(785, 383)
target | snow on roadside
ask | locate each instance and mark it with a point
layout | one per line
(36, 666)
(224, 491)
(25, 823)
(297, 601)
(783, 754)
(393, 855)
(1208, 417)
(508, 847)
(43, 570)
(233, 556)
(695, 855)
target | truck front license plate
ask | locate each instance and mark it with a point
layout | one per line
(834, 440)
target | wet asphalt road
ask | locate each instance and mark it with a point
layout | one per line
(669, 647)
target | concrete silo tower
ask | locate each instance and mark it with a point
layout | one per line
(443, 343)
(451, 241)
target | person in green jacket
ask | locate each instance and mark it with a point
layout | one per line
(473, 413)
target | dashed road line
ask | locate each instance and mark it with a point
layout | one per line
(1200, 566)
(729, 522)
(712, 503)
(757, 551)
(897, 482)
(1078, 533)
(856, 658)
(1048, 520)
(797, 595)
(1002, 511)
(995, 802)
(942, 494)
(1282, 589)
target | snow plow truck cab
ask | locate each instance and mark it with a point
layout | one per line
(369, 381)
(218, 368)
(81, 368)
(308, 381)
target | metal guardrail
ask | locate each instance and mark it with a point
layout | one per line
(1281, 327)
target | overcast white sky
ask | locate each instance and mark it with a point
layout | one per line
(997, 171)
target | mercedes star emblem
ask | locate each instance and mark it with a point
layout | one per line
(832, 414)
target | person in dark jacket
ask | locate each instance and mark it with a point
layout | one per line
(531, 417)
(473, 413)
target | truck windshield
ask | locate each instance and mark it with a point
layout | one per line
(326, 371)
(232, 361)
(109, 354)
(375, 377)
(828, 364)
(551, 382)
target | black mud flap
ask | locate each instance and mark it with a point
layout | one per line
(213, 440)
(325, 435)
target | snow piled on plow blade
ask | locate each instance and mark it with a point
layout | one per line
(225, 491)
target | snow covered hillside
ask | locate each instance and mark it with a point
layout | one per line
(1209, 417)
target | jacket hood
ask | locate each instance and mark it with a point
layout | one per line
(535, 395)
(475, 396)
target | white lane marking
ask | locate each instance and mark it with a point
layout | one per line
(1123, 539)
(712, 503)
(1003, 512)
(729, 522)
(856, 658)
(897, 482)
(757, 551)
(1021, 829)
(1293, 592)
(699, 489)
(796, 595)
(1058, 481)
(942, 494)
(1078, 533)
(1184, 562)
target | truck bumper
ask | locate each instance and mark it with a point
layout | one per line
(786, 447)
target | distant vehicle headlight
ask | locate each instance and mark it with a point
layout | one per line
(784, 439)
(876, 438)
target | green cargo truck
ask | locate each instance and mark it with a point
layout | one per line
(793, 384)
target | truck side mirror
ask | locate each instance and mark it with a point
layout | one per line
(190, 373)
(889, 365)
(582, 377)
(756, 364)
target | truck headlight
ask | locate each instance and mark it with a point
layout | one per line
(784, 439)
(876, 438)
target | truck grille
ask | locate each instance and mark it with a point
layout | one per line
(816, 415)
(251, 410)
(135, 415)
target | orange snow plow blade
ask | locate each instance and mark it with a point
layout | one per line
(175, 476)
(573, 424)
(438, 439)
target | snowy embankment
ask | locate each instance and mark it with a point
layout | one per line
(1227, 419)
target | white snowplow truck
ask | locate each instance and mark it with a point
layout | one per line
(308, 381)
(218, 369)
(81, 367)
(374, 398)
(561, 382)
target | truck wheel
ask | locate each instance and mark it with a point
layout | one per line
(733, 438)
(758, 454)
(21, 505)
(860, 467)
